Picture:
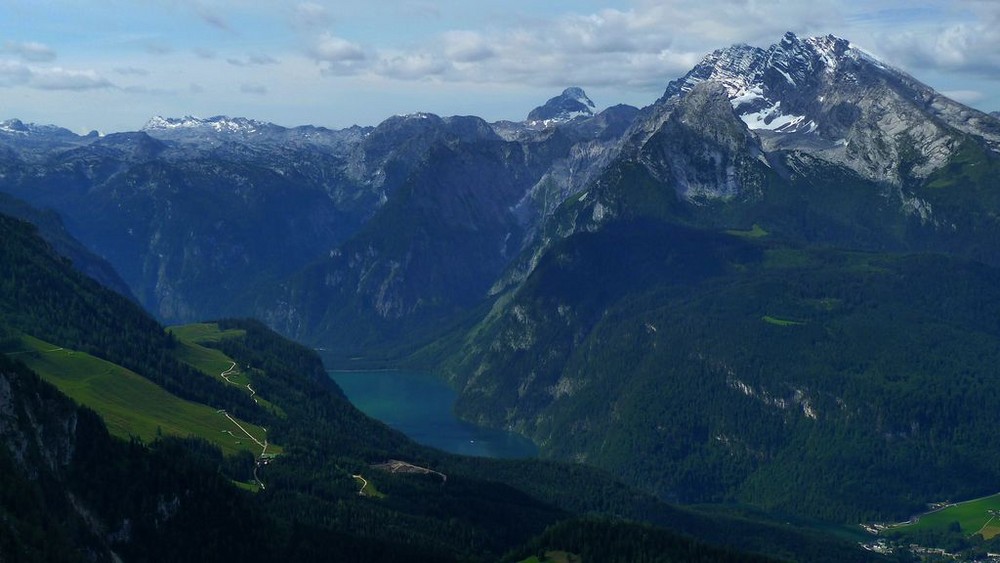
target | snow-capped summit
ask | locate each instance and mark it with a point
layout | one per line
(759, 81)
(572, 103)
(217, 124)
(18, 127)
(828, 97)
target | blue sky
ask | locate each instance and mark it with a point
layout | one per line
(112, 64)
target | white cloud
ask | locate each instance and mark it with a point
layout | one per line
(333, 49)
(411, 66)
(64, 79)
(971, 46)
(965, 96)
(13, 73)
(30, 51)
(466, 46)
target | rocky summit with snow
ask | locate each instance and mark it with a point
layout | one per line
(825, 97)
(572, 103)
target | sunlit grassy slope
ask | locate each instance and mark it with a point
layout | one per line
(130, 404)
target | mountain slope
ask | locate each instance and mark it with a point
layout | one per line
(432, 251)
(699, 320)
(72, 492)
(707, 369)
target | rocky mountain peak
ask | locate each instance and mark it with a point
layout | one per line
(215, 124)
(825, 96)
(18, 127)
(572, 103)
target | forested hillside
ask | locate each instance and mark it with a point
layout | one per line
(73, 492)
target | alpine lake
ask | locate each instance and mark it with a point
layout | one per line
(420, 405)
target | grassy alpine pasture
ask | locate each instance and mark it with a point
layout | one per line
(779, 321)
(974, 516)
(203, 332)
(210, 361)
(131, 405)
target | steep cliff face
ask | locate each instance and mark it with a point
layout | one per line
(432, 251)
(824, 96)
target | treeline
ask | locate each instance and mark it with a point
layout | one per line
(77, 494)
(174, 499)
(844, 386)
(43, 296)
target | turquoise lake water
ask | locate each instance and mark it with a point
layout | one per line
(420, 406)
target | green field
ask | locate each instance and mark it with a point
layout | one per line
(756, 232)
(973, 516)
(203, 332)
(130, 404)
(369, 489)
(780, 322)
(210, 361)
(554, 557)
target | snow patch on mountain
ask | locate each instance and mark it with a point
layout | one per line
(826, 96)
(218, 124)
(572, 104)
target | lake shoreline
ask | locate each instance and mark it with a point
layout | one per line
(421, 405)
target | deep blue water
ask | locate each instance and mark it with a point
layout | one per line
(420, 406)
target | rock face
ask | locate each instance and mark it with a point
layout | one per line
(226, 216)
(571, 104)
(823, 96)
(624, 333)
(197, 215)
(435, 247)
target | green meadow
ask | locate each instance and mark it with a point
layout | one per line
(210, 361)
(131, 405)
(779, 321)
(974, 516)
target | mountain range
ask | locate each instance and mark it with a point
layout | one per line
(776, 285)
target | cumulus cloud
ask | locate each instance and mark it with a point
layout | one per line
(13, 73)
(409, 66)
(30, 51)
(651, 42)
(66, 79)
(609, 47)
(965, 96)
(466, 46)
(330, 48)
(967, 46)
